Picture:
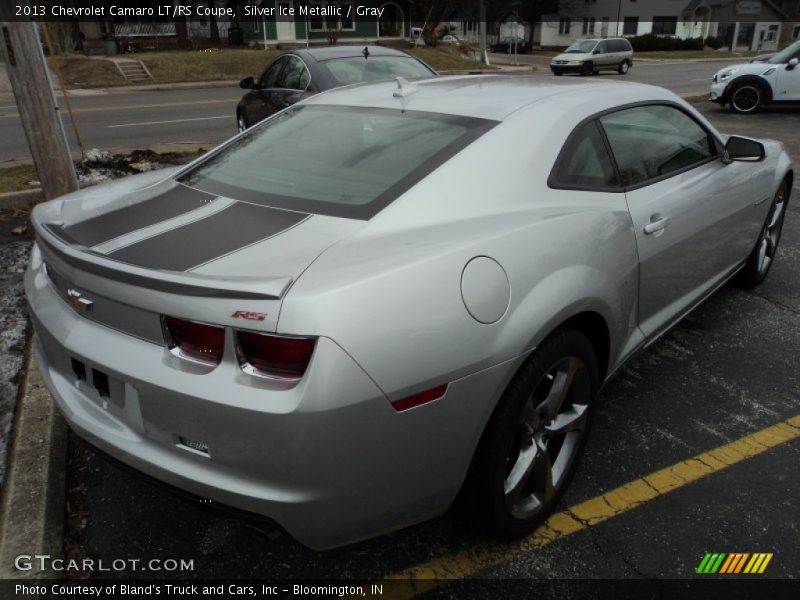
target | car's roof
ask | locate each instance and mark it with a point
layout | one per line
(331, 52)
(494, 96)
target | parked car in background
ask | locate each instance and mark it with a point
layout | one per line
(762, 58)
(747, 87)
(594, 55)
(507, 45)
(348, 317)
(450, 39)
(299, 74)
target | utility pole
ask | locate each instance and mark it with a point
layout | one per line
(27, 71)
(482, 32)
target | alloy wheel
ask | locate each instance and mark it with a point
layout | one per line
(746, 99)
(768, 244)
(547, 438)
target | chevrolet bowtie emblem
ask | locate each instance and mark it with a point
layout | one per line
(78, 301)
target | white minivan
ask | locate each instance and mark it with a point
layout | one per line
(594, 55)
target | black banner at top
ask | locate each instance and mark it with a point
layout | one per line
(203, 10)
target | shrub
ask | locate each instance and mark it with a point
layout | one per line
(714, 43)
(651, 42)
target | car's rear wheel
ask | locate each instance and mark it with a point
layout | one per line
(587, 68)
(746, 98)
(623, 67)
(530, 448)
(763, 255)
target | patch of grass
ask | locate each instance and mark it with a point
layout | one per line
(80, 71)
(695, 54)
(444, 59)
(180, 66)
(15, 179)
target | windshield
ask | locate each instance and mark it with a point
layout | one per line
(581, 47)
(787, 54)
(357, 69)
(334, 160)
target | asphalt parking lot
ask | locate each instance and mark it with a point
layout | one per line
(729, 370)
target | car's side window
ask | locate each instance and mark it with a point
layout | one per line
(295, 76)
(654, 141)
(602, 48)
(270, 77)
(584, 162)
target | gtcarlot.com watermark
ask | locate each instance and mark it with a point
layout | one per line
(44, 562)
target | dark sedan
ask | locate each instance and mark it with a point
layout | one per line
(298, 74)
(506, 45)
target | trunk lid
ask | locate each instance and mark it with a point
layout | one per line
(141, 248)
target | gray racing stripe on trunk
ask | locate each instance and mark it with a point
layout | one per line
(172, 203)
(202, 241)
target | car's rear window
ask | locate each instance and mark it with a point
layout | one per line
(339, 161)
(357, 69)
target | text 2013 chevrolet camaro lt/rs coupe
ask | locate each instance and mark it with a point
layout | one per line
(367, 307)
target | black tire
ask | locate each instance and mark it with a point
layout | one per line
(558, 73)
(510, 441)
(765, 251)
(587, 68)
(746, 98)
(623, 67)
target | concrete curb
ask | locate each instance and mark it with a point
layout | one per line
(32, 505)
(695, 97)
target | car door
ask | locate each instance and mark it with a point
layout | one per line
(788, 81)
(693, 214)
(265, 99)
(600, 58)
(293, 83)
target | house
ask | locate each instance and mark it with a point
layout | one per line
(314, 22)
(742, 24)
(790, 32)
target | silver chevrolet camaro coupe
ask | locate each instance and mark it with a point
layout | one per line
(391, 298)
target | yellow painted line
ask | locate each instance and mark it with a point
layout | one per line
(594, 511)
(139, 106)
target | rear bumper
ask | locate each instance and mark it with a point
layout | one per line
(328, 459)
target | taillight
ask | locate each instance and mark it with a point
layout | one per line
(195, 341)
(273, 355)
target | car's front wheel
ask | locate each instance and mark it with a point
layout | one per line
(763, 255)
(529, 449)
(587, 68)
(746, 98)
(241, 122)
(623, 67)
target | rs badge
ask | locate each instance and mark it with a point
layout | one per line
(78, 302)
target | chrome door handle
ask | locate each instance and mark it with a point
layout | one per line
(658, 225)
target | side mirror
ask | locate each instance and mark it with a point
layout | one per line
(248, 83)
(744, 149)
(792, 64)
